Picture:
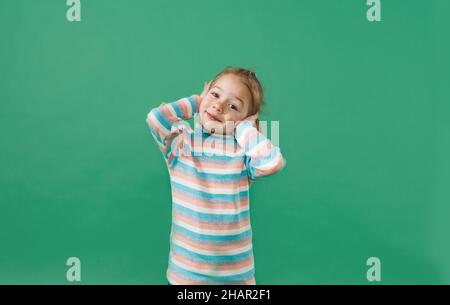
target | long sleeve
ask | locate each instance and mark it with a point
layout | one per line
(164, 122)
(263, 158)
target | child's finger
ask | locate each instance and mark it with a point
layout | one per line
(253, 117)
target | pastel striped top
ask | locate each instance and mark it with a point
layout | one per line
(211, 235)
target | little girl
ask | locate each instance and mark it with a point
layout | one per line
(210, 171)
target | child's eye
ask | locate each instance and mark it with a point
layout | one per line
(233, 107)
(214, 94)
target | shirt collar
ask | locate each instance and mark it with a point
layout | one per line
(199, 128)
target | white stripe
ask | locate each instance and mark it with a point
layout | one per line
(188, 105)
(252, 138)
(196, 208)
(181, 126)
(220, 232)
(172, 111)
(171, 280)
(242, 135)
(212, 253)
(212, 272)
(270, 164)
(210, 190)
(259, 146)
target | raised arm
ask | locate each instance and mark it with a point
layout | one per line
(263, 158)
(162, 121)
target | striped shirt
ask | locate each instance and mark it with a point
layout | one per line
(210, 174)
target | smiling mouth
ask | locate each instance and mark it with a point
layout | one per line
(211, 117)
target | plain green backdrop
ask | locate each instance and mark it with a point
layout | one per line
(364, 126)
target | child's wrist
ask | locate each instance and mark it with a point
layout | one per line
(243, 125)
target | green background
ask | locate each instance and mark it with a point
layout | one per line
(364, 126)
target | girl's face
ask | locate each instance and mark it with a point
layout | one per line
(226, 102)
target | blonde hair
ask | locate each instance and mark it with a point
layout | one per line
(249, 79)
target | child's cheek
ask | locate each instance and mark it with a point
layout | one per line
(204, 105)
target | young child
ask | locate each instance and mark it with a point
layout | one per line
(210, 171)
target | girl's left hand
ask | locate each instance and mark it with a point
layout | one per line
(251, 118)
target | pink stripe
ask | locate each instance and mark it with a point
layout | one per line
(209, 226)
(184, 107)
(168, 115)
(171, 275)
(176, 195)
(212, 247)
(263, 150)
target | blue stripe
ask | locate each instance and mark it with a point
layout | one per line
(250, 168)
(177, 108)
(156, 135)
(212, 263)
(213, 198)
(234, 237)
(207, 216)
(191, 99)
(213, 258)
(171, 147)
(157, 112)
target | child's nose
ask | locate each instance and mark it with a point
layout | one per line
(218, 106)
